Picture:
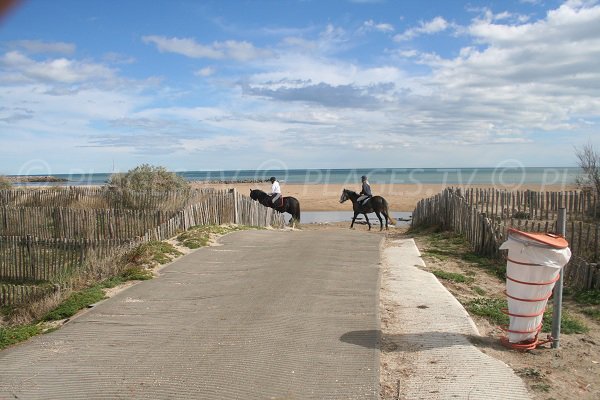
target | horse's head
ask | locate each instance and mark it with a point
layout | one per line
(344, 196)
(254, 194)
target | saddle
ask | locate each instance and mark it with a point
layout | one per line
(279, 203)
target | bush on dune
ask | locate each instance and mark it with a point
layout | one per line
(147, 178)
(4, 183)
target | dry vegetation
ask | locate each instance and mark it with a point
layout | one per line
(570, 372)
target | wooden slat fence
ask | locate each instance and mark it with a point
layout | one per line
(30, 259)
(46, 259)
(484, 216)
(61, 222)
(502, 204)
(18, 294)
(100, 197)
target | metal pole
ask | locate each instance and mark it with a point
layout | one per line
(561, 228)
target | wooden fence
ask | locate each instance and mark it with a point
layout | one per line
(30, 259)
(528, 204)
(17, 294)
(61, 222)
(49, 259)
(98, 197)
(480, 215)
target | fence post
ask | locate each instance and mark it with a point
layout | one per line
(482, 245)
(561, 226)
(235, 207)
(30, 256)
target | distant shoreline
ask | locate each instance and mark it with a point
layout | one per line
(503, 175)
(35, 179)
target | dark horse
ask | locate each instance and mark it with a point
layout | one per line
(289, 205)
(376, 204)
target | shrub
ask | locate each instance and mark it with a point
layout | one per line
(4, 183)
(146, 178)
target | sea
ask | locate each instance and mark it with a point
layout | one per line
(504, 175)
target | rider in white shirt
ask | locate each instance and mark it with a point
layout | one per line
(275, 190)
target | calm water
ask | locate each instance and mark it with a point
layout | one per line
(312, 217)
(509, 175)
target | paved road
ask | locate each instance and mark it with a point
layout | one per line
(262, 317)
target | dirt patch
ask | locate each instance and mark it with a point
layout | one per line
(570, 372)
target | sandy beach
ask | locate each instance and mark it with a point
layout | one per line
(325, 197)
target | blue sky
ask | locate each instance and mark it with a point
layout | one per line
(88, 86)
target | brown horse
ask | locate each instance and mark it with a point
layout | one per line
(290, 204)
(376, 204)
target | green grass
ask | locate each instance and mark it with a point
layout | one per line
(479, 290)
(452, 276)
(199, 236)
(15, 334)
(136, 274)
(75, 302)
(82, 299)
(541, 387)
(593, 313)
(130, 274)
(568, 323)
(493, 267)
(531, 373)
(445, 245)
(589, 297)
(151, 253)
(490, 309)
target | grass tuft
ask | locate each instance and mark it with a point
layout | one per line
(15, 334)
(452, 276)
(593, 313)
(199, 236)
(75, 302)
(590, 297)
(151, 254)
(489, 308)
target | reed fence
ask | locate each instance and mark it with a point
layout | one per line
(99, 197)
(484, 217)
(527, 204)
(17, 294)
(52, 243)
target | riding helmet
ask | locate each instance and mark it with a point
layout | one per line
(364, 178)
(272, 179)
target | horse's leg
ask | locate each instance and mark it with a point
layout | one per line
(380, 221)
(367, 219)
(353, 219)
(387, 216)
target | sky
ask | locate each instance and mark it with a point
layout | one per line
(102, 86)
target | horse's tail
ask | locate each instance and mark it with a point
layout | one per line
(296, 214)
(387, 211)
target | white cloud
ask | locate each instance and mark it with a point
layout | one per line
(438, 24)
(60, 70)
(230, 49)
(510, 85)
(206, 71)
(381, 27)
(39, 46)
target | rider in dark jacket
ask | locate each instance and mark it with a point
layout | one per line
(365, 192)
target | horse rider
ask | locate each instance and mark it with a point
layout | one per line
(275, 191)
(365, 192)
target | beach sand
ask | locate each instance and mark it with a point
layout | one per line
(325, 197)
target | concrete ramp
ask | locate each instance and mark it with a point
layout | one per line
(261, 317)
(440, 361)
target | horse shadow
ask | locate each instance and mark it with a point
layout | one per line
(415, 342)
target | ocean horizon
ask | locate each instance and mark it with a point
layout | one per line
(497, 176)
